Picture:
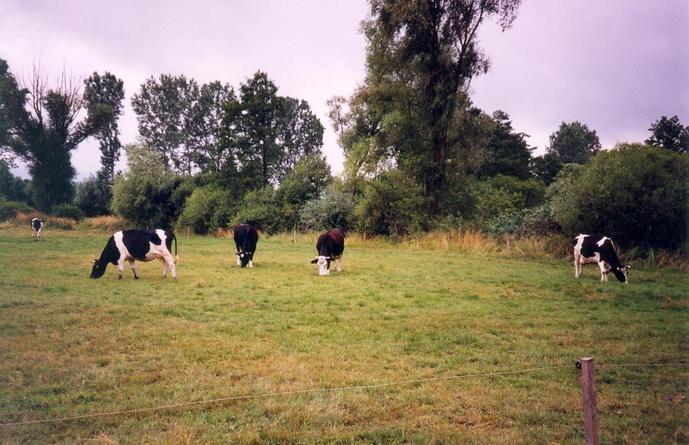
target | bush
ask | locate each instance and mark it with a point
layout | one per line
(260, 209)
(391, 205)
(333, 208)
(9, 209)
(66, 210)
(207, 209)
(636, 194)
(92, 198)
(148, 195)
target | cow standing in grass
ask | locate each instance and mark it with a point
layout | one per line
(601, 250)
(36, 226)
(330, 246)
(245, 239)
(132, 245)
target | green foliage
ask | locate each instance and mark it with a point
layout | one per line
(148, 195)
(391, 205)
(13, 188)
(507, 152)
(104, 94)
(333, 208)
(303, 183)
(44, 133)
(260, 209)
(412, 108)
(669, 133)
(92, 198)
(9, 209)
(66, 210)
(503, 196)
(636, 194)
(574, 143)
(207, 209)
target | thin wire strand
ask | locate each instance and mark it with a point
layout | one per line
(333, 389)
(280, 393)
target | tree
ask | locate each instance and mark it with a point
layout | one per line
(421, 57)
(303, 183)
(669, 133)
(204, 126)
(574, 143)
(546, 167)
(92, 198)
(148, 195)
(162, 107)
(636, 194)
(13, 188)
(105, 94)
(41, 127)
(301, 134)
(507, 152)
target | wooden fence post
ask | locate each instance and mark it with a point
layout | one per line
(588, 389)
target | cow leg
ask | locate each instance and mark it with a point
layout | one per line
(132, 265)
(603, 271)
(168, 261)
(338, 264)
(120, 268)
(239, 262)
(251, 263)
(577, 266)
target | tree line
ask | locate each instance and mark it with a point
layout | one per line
(419, 155)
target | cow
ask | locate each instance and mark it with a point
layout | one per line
(245, 239)
(601, 250)
(330, 246)
(132, 245)
(36, 226)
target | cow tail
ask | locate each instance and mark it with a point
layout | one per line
(174, 238)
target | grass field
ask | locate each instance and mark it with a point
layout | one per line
(70, 346)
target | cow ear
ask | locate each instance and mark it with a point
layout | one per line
(314, 261)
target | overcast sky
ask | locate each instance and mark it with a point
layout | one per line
(616, 65)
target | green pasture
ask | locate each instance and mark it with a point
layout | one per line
(70, 345)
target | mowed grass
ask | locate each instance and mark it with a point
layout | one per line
(71, 346)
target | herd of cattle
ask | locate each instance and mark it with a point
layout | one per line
(147, 245)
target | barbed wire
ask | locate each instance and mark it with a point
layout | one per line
(322, 389)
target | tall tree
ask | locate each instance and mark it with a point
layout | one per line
(668, 132)
(574, 143)
(421, 57)
(301, 134)
(42, 127)
(507, 151)
(204, 127)
(162, 107)
(105, 94)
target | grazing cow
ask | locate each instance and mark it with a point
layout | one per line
(132, 245)
(598, 249)
(36, 226)
(329, 246)
(245, 239)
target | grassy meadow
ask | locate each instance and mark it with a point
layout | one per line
(70, 346)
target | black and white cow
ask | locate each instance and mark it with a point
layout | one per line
(245, 239)
(598, 249)
(330, 246)
(36, 226)
(132, 245)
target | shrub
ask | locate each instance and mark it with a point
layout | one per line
(259, 209)
(92, 197)
(636, 194)
(66, 210)
(10, 209)
(390, 205)
(207, 209)
(333, 208)
(148, 195)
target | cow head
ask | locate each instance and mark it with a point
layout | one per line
(323, 264)
(244, 258)
(621, 273)
(98, 268)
